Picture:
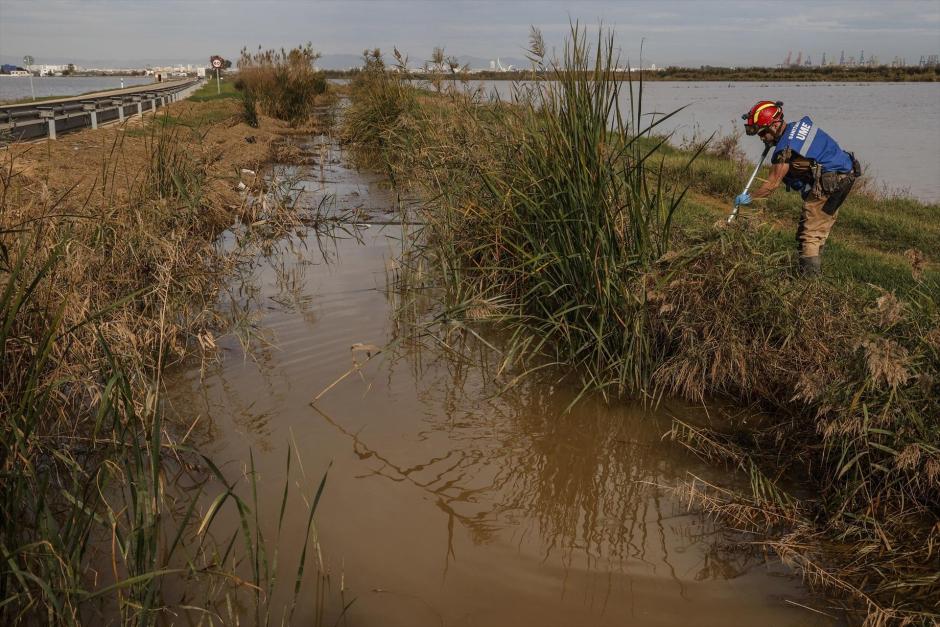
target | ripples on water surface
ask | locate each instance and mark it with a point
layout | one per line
(447, 504)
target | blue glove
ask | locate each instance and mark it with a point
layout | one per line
(742, 199)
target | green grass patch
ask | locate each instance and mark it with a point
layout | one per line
(867, 244)
(225, 90)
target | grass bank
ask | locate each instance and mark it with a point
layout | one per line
(110, 267)
(875, 239)
(593, 245)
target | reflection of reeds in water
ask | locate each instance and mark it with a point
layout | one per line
(581, 488)
(582, 483)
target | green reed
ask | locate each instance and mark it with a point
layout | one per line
(571, 210)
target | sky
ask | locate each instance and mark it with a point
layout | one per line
(673, 32)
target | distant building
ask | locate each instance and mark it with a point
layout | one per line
(47, 69)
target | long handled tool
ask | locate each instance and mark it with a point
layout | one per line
(734, 211)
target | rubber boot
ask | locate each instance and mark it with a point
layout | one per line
(810, 266)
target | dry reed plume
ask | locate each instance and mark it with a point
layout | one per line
(283, 83)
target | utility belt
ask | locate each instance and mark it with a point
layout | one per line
(807, 176)
(829, 183)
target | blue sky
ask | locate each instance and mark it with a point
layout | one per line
(717, 32)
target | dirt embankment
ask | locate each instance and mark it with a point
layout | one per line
(212, 134)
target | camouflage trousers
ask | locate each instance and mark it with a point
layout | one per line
(818, 217)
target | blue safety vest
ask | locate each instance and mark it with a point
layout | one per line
(809, 141)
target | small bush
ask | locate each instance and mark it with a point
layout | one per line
(283, 83)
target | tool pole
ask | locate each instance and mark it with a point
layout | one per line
(734, 211)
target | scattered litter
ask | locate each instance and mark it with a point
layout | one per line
(248, 172)
(241, 186)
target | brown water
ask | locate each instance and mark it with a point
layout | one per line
(448, 503)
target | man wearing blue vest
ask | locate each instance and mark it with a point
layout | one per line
(809, 161)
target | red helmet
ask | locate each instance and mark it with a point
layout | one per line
(761, 116)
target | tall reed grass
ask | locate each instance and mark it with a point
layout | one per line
(553, 217)
(283, 83)
(552, 206)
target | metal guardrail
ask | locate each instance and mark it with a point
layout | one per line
(33, 121)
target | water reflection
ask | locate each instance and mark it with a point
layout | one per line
(582, 488)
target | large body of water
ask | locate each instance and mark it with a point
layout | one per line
(893, 128)
(17, 87)
(449, 503)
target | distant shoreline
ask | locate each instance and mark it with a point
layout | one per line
(833, 74)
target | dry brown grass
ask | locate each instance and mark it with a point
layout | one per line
(127, 228)
(853, 384)
(109, 271)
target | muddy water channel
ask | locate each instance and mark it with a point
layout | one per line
(448, 502)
